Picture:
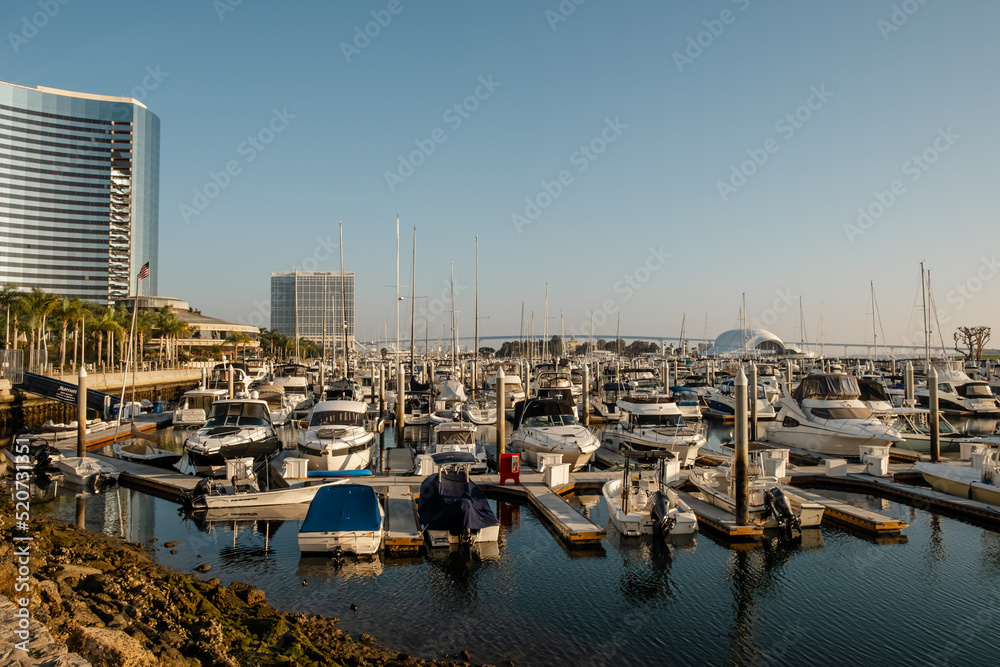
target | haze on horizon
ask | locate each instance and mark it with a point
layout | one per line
(654, 159)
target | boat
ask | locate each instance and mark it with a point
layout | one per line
(979, 481)
(459, 436)
(38, 453)
(250, 484)
(957, 392)
(231, 373)
(58, 432)
(338, 437)
(278, 404)
(688, 401)
(88, 472)
(448, 404)
(236, 428)
(343, 389)
(195, 406)
(771, 504)
(549, 426)
(605, 404)
(480, 411)
(343, 518)
(912, 425)
(654, 424)
(138, 450)
(824, 415)
(722, 401)
(647, 505)
(452, 509)
(294, 379)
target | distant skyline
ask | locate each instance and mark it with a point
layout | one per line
(657, 160)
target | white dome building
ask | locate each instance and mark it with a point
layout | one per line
(755, 342)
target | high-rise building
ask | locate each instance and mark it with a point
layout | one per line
(79, 192)
(308, 304)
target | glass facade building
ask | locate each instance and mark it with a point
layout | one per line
(79, 192)
(308, 304)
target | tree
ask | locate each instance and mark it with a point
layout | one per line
(10, 298)
(487, 351)
(974, 339)
(555, 346)
(68, 310)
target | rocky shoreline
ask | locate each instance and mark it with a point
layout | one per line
(110, 602)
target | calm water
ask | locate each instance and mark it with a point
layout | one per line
(833, 598)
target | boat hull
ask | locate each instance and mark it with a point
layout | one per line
(359, 543)
(357, 456)
(444, 538)
(943, 478)
(212, 460)
(293, 496)
(823, 441)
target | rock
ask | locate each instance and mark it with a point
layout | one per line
(251, 595)
(74, 572)
(465, 656)
(204, 567)
(171, 638)
(173, 551)
(81, 614)
(171, 543)
(110, 648)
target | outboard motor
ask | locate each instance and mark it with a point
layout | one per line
(663, 521)
(777, 506)
(102, 481)
(206, 487)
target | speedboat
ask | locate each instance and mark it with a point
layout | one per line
(688, 401)
(480, 411)
(68, 431)
(641, 505)
(195, 406)
(722, 401)
(237, 428)
(88, 472)
(138, 450)
(278, 404)
(957, 392)
(343, 518)
(549, 426)
(980, 480)
(605, 404)
(654, 424)
(250, 484)
(824, 415)
(338, 437)
(452, 509)
(770, 502)
(459, 437)
(912, 425)
(448, 404)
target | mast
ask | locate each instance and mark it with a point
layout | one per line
(680, 339)
(545, 326)
(927, 336)
(397, 292)
(343, 303)
(874, 329)
(475, 362)
(413, 301)
(454, 341)
(803, 338)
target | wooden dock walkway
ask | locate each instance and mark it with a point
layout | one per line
(164, 483)
(856, 518)
(720, 521)
(402, 529)
(399, 460)
(572, 527)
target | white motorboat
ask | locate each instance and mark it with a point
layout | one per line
(913, 426)
(242, 487)
(722, 401)
(59, 432)
(957, 392)
(278, 404)
(548, 426)
(647, 505)
(448, 404)
(338, 436)
(294, 379)
(236, 428)
(824, 415)
(654, 424)
(604, 406)
(343, 389)
(480, 411)
(88, 472)
(138, 450)
(343, 518)
(688, 401)
(979, 481)
(459, 437)
(451, 508)
(195, 406)
(771, 504)
(225, 374)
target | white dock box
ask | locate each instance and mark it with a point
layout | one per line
(239, 468)
(836, 467)
(557, 474)
(775, 461)
(875, 458)
(295, 468)
(543, 461)
(425, 465)
(967, 449)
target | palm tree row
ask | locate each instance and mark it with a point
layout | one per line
(32, 319)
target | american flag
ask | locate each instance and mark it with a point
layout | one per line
(144, 271)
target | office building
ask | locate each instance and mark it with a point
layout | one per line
(308, 304)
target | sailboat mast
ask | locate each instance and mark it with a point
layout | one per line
(475, 362)
(397, 292)
(927, 337)
(874, 329)
(454, 341)
(413, 302)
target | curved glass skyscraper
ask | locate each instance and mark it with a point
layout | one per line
(79, 192)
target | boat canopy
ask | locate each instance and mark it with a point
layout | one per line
(834, 386)
(541, 408)
(872, 389)
(239, 413)
(451, 390)
(343, 508)
(449, 501)
(455, 436)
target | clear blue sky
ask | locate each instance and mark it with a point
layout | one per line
(678, 128)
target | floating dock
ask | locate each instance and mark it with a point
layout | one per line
(720, 521)
(402, 529)
(572, 527)
(856, 518)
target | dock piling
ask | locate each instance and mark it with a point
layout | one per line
(934, 418)
(740, 462)
(752, 398)
(81, 417)
(501, 415)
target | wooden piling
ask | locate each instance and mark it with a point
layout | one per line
(740, 459)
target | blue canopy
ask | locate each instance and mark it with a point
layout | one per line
(343, 507)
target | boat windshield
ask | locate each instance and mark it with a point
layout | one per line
(456, 437)
(337, 418)
(200, 402)
(658, 420)
(237, 414)
(841, 413)
(552, 420)
(976, 390)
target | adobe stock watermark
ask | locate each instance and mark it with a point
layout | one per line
(626, 287)
(562, 12)
(964, 292)
(223, 7)
(696, 44)
(363, 35)
(899, 17)
(454, 116)
(786, 126)
(30, 25)
(581, 158)
(442, 302)
(324, 249)
(914, 168)
(150, 82)
(783, 302)
(248, 149)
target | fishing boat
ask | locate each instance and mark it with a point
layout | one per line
(257, 484)
(824, 414)
(654, 424)
(88, 472)
(338, 437)
(647, 505)
(195, 406)
(459, 437)
(237, 428)
(343, 518)
(979, 481)
(549, 426)
(452, 509)
(771, 504)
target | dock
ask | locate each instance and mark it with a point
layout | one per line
(720, 521)
(402, 529)
(399, 460)
(574, 529)
(855, 518)
(164, 483)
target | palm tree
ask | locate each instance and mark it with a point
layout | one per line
(236, 339)
(10, 296)
(107, 323)
(69, 309)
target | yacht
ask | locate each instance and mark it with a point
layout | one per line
(196, 404)
(688, 401)
(549, 426)
(654, 424)
(605, 404)
(957, 392)
(825, 415)
(241, 379)
(459, 437)
(980, 480)
(448, 403)
(338, 437)
(278, 404)
(236, 428)
(293, 378)
(722, 401)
